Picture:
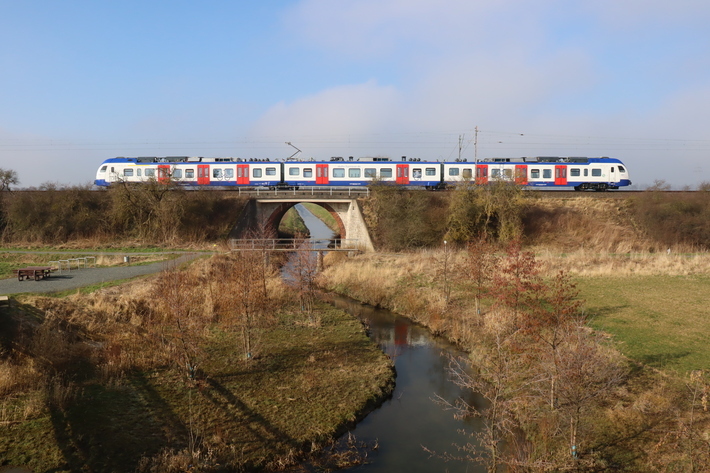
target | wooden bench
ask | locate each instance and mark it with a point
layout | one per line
(4, 301)
(34, 272)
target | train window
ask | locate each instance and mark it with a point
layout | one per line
(177, 173)
(547, 173)
(189, 173)
(150, 173)
(453, 171)
(128, 172)
(508, 173)
(103, 168)
(621, 169)
(354, 172)
(385, 172)
(417, 173)
(596, 172)
(371, 173)
(534, 174)
(229, 173)
(574, 172)
(256, 172)
(338, 172)
(307, 172)
(270, 171)
(430, 171)
(294, 171)
(586, 172)
(495, 173)
(467, 173)
(139, 171)
(217, 173)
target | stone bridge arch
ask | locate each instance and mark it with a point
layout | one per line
(262, 215)
(272, 222)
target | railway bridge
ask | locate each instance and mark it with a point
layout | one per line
(265, 209)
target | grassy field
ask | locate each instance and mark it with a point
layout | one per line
(662, 321)
(309, 383)
(292, 223)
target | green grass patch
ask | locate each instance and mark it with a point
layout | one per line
(293, 224)
(307, 383)
(661, 321)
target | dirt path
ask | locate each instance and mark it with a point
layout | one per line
(85, 277)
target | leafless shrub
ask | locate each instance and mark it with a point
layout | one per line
(183, 324)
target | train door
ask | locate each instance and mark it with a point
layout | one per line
(163, 173)
(521, 174)
(402, 174)
(560, 175)
(242, 174)
(203, 174)
(481, 174)
(321, 174)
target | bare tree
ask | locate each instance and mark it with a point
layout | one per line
(587, 373)
(245, 290)
(183, 323)
(494, 381)
(8, 177)
(549, 322)
(481, 263)
(517, 282)
(301, 272)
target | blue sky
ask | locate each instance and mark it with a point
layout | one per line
(83, 81)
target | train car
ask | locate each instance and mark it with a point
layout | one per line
(339, 172)
(581, 173)
(545, 172)
(190, 171)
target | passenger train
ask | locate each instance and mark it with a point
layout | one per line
(597, 174)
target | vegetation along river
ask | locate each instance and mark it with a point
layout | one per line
(411, 420)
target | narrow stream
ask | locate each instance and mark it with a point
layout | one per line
(410, 420)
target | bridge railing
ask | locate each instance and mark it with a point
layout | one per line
(309, 191)
(292, 244)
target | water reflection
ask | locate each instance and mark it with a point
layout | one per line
(410, 420)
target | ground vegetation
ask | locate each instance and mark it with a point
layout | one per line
(153, 375)
(586, 360)
(151, 213)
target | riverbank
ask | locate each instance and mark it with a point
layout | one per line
(97, 381)
(637, 420)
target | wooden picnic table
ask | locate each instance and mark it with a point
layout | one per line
(36, 272)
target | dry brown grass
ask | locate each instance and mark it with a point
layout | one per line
(588, 263)
(585, 223)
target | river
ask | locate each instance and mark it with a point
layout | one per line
(410, 420)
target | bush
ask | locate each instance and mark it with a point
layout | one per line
(54, 214)
(674, 218)
(153, 212)
(401, 219)
(494, 210)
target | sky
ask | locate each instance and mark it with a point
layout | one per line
(82, 81)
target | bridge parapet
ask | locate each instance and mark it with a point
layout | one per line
(293, 244)
(318, 192)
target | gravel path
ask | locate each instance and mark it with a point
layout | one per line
(86, 277)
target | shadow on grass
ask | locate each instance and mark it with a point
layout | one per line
(604, 311)
(110, 429)
(232, 408)
(661, 360)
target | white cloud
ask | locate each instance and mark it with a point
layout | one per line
(343, 110)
